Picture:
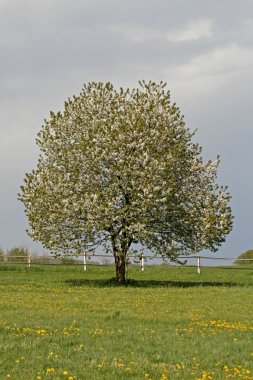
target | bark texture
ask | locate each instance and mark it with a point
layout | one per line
(120, 266)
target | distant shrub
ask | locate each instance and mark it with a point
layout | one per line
(1, 255)
(245, 258)
(18, 254)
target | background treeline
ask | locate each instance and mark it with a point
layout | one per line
(21, 254)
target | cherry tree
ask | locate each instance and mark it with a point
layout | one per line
(117, 168)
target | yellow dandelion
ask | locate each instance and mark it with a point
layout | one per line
(50, 370)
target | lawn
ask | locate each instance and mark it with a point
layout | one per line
(59, 322)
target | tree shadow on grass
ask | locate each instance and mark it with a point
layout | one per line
(148, 283)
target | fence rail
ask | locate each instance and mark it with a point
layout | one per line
(141, 259)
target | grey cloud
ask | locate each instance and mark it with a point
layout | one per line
(50, 39)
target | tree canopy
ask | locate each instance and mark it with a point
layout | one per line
(118, 167)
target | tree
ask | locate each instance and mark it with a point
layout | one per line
(245, 258)
(18, 254)
(119, 168)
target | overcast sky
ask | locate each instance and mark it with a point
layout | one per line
(203, 49)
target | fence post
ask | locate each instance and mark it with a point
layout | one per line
(29, 261)
(142, 263)
(84, 261)
(198, 265)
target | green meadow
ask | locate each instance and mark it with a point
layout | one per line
(60, 322)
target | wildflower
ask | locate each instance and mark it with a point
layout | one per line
(50, 370)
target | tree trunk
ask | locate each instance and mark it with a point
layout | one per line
(120, 266)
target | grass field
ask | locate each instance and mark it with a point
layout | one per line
(168, 323)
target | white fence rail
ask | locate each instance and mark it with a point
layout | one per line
(195, 261)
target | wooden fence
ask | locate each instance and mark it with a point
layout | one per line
(141, 260)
